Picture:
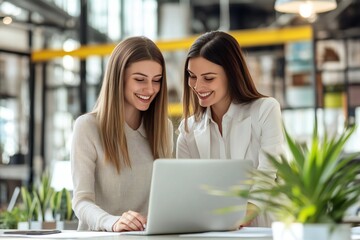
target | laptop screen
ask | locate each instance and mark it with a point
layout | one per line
(180, 203)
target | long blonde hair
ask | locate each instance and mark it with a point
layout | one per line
(110, 110)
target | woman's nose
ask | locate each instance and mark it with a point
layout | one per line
(149, 89)
(197, 84)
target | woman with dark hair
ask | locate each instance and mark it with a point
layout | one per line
(225, 117)
(114, 146)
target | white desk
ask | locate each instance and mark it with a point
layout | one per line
(127, 237)
(113, 236)
(176, 237)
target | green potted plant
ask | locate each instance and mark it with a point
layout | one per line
(30, 206)
(313, 190)
(43, 194)
(10, 219)
(61, 207)
(36, 202)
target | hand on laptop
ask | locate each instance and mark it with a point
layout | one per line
(251, 212)
(130, 221)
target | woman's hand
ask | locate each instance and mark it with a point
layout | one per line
(251, 212)
(130, 221)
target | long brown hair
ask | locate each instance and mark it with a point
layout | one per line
(109, 108)
(222, 49)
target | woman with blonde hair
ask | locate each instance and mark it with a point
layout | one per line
(114, 146)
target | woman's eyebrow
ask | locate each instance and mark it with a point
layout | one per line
(138, 73)
(142, 74)
(207, 73)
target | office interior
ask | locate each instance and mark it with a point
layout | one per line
(53, 55)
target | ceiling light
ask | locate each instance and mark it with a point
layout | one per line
(305, 7)
(7, 20)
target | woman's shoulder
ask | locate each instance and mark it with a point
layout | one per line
(265, 108)
(87, 120)
(264, 104)
(257, 108)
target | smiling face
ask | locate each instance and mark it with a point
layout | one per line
(209, 82)
(142, 84)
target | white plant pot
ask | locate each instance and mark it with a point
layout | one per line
(61, 225)
(67, 225)
(299, 231)
(34, 225)
(43, 225)
(23, 225)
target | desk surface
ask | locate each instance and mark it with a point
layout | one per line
(116, 236)
(127, 237)
(174, 237)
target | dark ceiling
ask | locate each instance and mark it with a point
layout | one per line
(245, 14)
(54, 18)
(249, 14)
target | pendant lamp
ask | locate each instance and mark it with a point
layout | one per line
(299, 6)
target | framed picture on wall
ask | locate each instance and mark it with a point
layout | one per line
(330, 55)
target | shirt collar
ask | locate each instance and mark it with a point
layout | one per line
(231, 112)
(140, 130)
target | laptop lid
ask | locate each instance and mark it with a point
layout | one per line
(179, 203)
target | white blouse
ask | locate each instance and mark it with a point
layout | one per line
(249, 130)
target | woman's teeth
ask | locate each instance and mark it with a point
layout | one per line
(143, 97)
(204, 94)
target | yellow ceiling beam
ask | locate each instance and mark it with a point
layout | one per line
(268, 36)
(175, 109)
(246, 38)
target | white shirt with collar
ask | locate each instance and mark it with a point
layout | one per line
(248, 130)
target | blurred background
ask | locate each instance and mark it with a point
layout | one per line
(53, 55)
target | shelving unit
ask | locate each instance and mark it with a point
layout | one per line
(328, 90)
(338, 74)
(11, 176)
(299, 86)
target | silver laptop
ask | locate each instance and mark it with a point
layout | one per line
(180, 203)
